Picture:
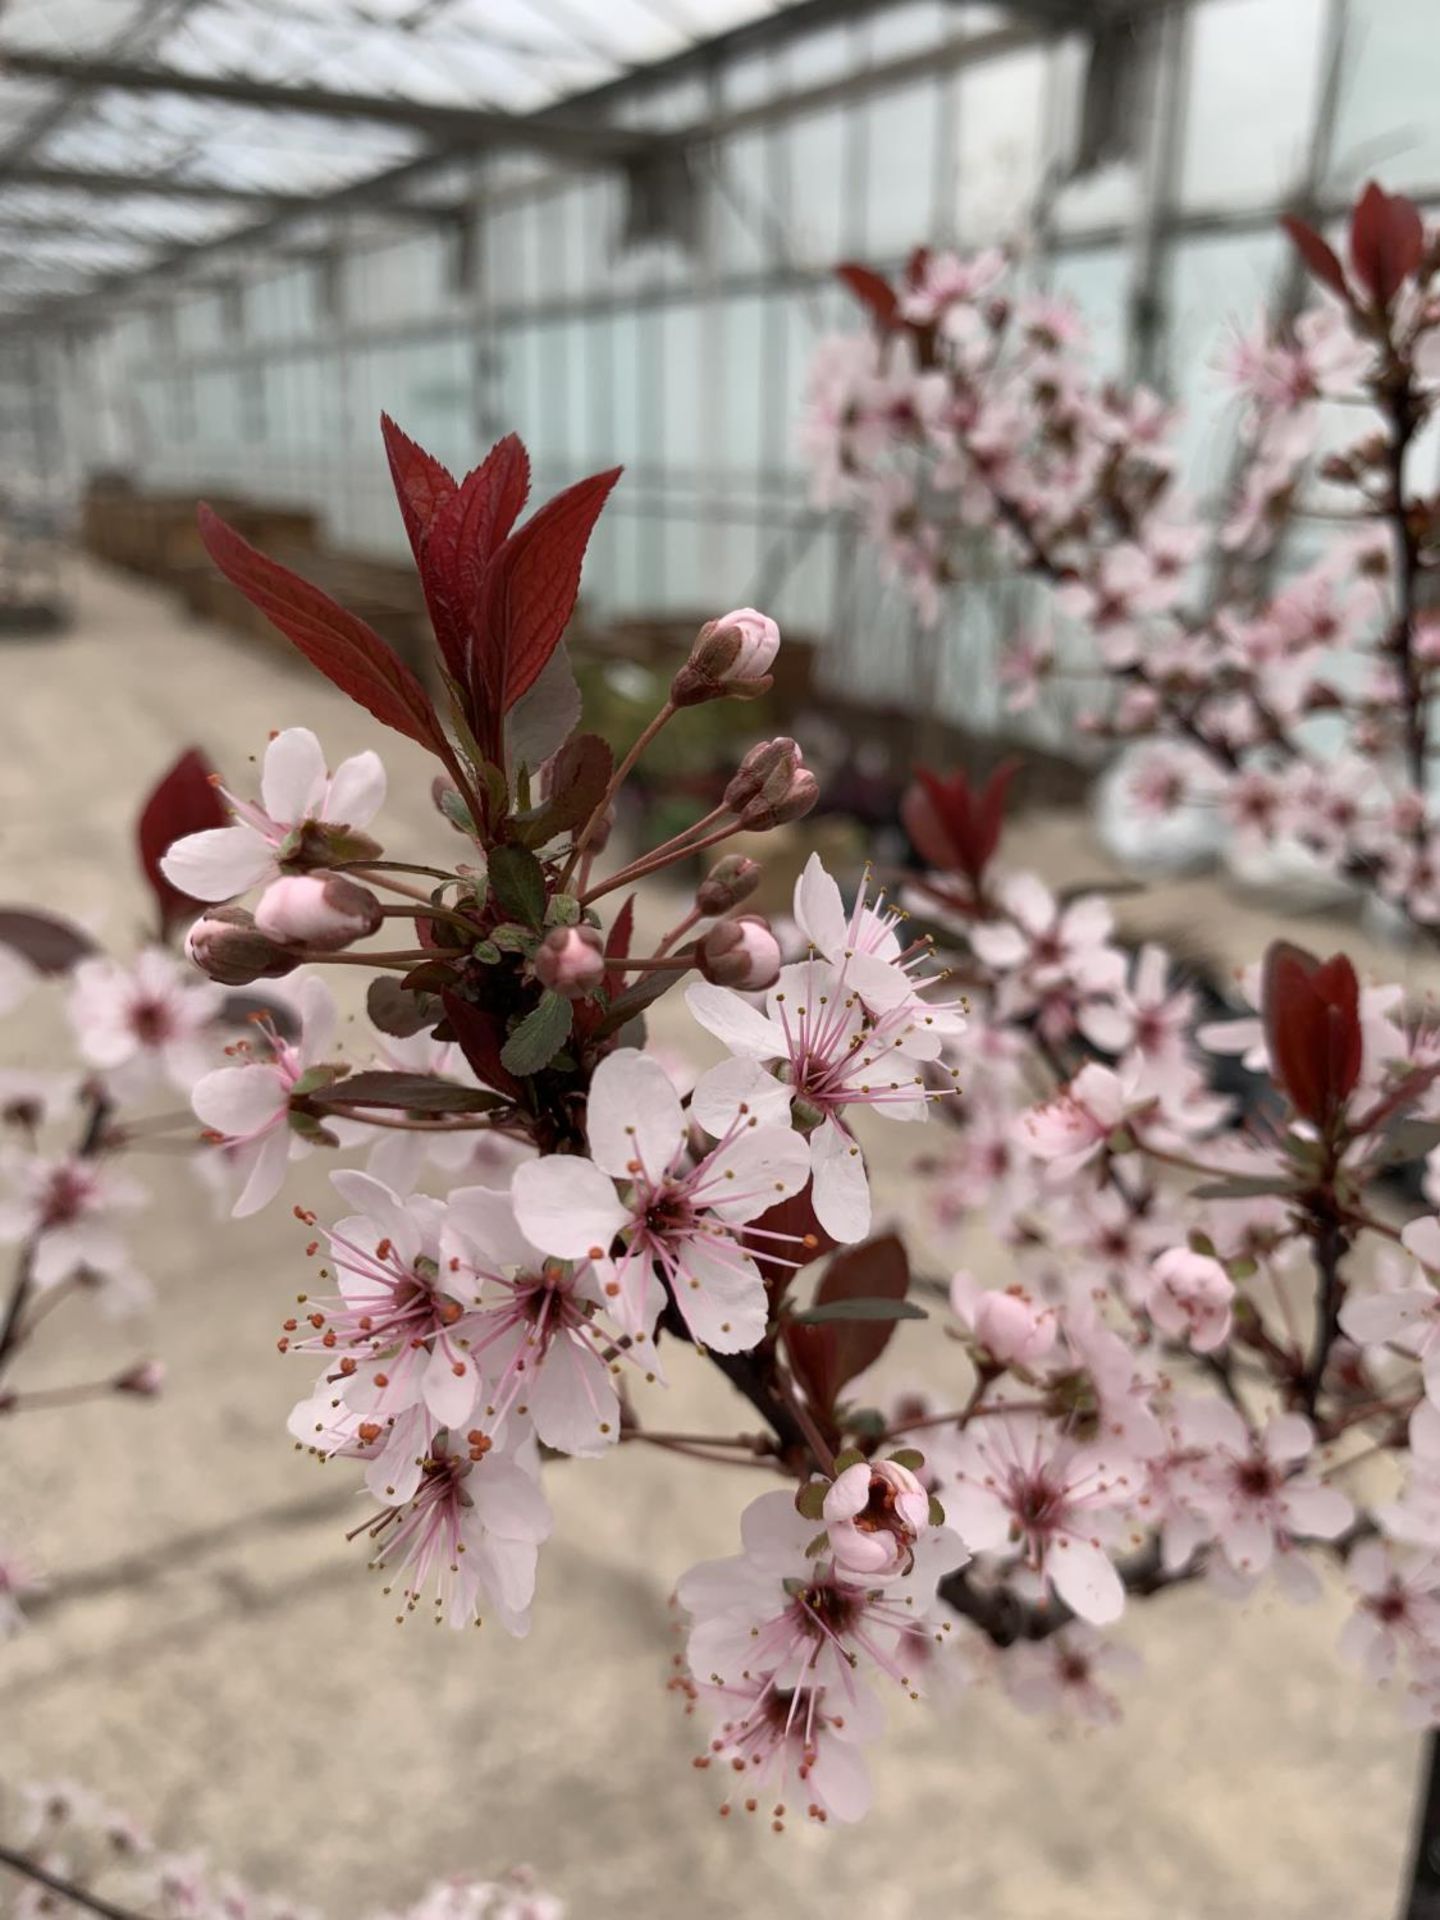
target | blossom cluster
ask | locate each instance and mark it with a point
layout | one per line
(1213, 1315)
(1295, 710)
(65, 1844)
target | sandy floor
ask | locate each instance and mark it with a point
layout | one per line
(215, 1657)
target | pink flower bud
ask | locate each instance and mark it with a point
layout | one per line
(1010, 1326)
(1190, 1298)
(731, 656)
(146, 1378)
(728, 882)
(741, 953)
(226, 944)
(322, 910)
(570, 961)
(874, 1513)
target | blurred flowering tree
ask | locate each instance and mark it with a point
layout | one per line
(1209, 1357)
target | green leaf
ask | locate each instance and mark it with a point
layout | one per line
(910, 1458)
(850, 1457)
(1241, 1187)
(518, 881)
(810, 1500)
(539, 1036)
(408, 1092)
(563, 911)
(486, 952)
(315, 1080)
(397, 1010)
(859, 1310)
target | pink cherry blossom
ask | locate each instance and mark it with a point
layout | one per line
(874, 1513)
(677, 1213)
(151, 1020)
(1065, 1675)
(1258, 1490)
(1190, 1297)
(395, 1334)
(789, 1751)
(781, 1609)
(247, 1109)
(1020, 1480)
(533, 1326)
(472, 1530)
(295, 790)
(814, 1053)
(70, 1210)
(1007, 1322)
(1397, 1608)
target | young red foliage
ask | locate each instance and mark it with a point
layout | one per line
(1387, 242)
(829, 1356)
(1317, 253)
(873, 292)
(184, 800)
(347, 651)
(954, 827)
(524, 599)
(1311, 1014)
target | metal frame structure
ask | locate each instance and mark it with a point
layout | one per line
(635, 268)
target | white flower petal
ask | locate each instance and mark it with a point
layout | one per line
(567, 1205)
(842, 1187)
(633, 1114)
(357, 792)
(219, 863)
(292, 782)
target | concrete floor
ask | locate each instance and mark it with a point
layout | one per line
(215, 1657)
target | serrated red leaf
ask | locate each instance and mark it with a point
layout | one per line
(480, 1037)
(1317, 253)
(1387, 241)
(527, 597)
(461, 540)
(345, 649)
(185, 800)
(422, 485)
(872, 290)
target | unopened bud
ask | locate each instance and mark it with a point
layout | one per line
(146, 1378)
(732, 656)
(740, 953)
(570, 961)
(326, 911)
(775, 806)
(226, 944)
(728, 882)
(767, 762)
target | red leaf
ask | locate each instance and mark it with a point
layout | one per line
(347, 651)
(873, 292)
(877, 1269)
(461, 540)
(953, 827)
(1387, 241)
(1317, 253)
(617, 946)
(422, 485)
(184, 801)
(828, 1357)
(480, 1037)
(528, 596)
(1311, 1014)
(917, 266)
(50, 944)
